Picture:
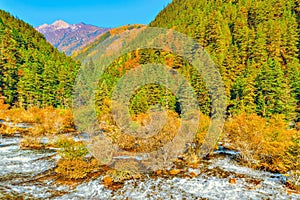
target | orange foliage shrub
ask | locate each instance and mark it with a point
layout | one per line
(7, 130)
(191, 156)
(6, 115)
(120, 176)
(3, 106)
(245, 134)
(263, 143)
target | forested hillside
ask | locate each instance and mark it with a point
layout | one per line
(32, 71)
(255, 43)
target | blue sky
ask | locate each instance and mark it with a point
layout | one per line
(103, 13)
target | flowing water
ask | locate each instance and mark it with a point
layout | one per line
(22, 172)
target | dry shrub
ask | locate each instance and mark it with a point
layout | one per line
(7, 130)
(133, 143)
(3, 108)
(191, 159)
(69, 149)
(5, 114)
(191, 155)
(202, 129)
(63, 141)
(50, 120)
(31, 143)
(120, 176)
(76, 168)
(245, 134)
(46, 120)
(125, 170)
(263, 143)
(73, 164)
(294, 177)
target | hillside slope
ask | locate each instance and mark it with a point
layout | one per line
(32, 71)
(87, 50)
(69, 38)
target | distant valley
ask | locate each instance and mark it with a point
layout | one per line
(69, 38)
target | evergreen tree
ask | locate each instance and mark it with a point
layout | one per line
(273, 94)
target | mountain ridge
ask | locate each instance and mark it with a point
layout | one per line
(69, 38)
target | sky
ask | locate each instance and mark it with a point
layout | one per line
(102, 13)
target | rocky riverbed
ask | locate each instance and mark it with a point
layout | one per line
(28, 174)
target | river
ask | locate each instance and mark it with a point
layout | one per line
(23, 172)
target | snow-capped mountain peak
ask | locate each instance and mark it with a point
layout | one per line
(60, 24)
(57, 25)
(43, 26)
(69, 38)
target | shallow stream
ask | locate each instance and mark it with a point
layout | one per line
(22, 172)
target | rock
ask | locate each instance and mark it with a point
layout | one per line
(291, 186)
(279, 177)
(232, 181)
(194, 165)
(165, 172)
(107, 181)
(174, 172)
(193, 174)
(158, 172)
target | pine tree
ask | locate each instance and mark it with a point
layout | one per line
(273, 94)
(293, 73)
(243, 93)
